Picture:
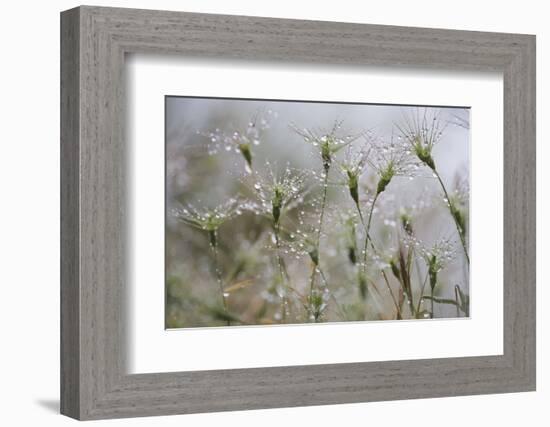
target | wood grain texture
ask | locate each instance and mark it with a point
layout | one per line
(70, 292)
(94, 382)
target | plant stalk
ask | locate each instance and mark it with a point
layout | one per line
(421, 293)
(367, 230)
(219, 278)
(319, 230)
(457, 303)
(281, 273)
(369, 240)
(323, 205)
(432, 303)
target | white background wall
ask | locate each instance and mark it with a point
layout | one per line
(29, 212)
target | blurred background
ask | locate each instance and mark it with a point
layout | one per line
(205, 169)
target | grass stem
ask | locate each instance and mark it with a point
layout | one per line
(219, 278)
(421, 293)
(367, 232)
(457, 302)
(319, 231)
(281, 272)
(368, 240)
(432, 303)
(323, 205)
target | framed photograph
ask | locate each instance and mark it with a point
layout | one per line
(262, 213)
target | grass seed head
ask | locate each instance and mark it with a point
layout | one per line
(390, 159)
(458, 203)
(406, 223)
(239, 138)
(352, 168)
(422, 130)
(437, 257)
(317, 304)
(386, 175)
(209, 219)
(395, 269)
(277, 191)
(327, 141)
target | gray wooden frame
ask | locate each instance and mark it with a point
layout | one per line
(94, 41)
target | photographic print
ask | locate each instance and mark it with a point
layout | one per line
(293, 212)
